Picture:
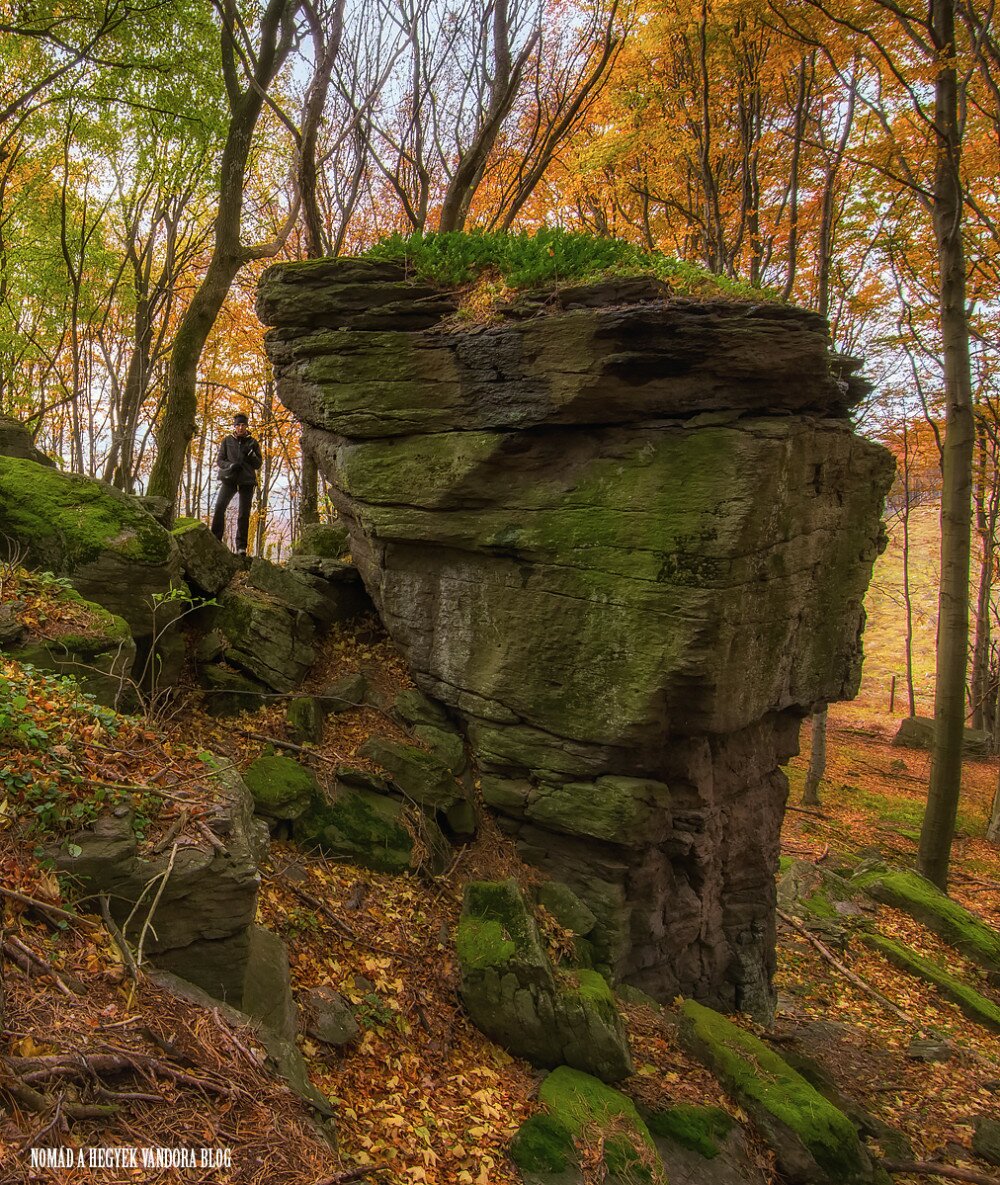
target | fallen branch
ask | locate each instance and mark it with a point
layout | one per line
(46, 906)
(175, 829)
(342, 926)
(293, 748)
(844, 970)
(802, 810)
(33, 1070)
(928, 1168)
(212, 838)
(147, 925)
(39, 1104)
(26, 959)
(119, 938)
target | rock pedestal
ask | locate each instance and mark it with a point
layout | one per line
(626, 545)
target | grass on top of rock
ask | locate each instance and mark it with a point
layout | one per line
(547, 259)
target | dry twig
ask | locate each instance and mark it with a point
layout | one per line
(928, 1168)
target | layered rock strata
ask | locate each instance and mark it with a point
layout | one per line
(626, 544)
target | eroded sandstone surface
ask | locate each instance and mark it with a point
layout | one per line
(624, 539)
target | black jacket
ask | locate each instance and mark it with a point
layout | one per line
(239, 460)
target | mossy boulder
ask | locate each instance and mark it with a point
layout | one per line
(112, 550)
(306, 717)
(268, 641)
(629, 811)
(282, 788)
(812, 1140)
(412, 707)
(329, 541)
(417, 773)
(17, 441)
(917, 732)
(327, 602)
(974, 1005)
(582, 1111)
(366, 829)
(950, 921)
(100, 657)
(701, 1129)
(228, 692)
(207, 563)
(515, 996)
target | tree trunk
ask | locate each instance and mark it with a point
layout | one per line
(981, 646)
(228, 254)
(938, 827)
(817, 760)
(907, 600)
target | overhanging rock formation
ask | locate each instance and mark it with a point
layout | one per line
(625, 539)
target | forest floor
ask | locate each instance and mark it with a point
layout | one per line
(422, 1096)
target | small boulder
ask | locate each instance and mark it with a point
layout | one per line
(327, 602)
(328, 1017)
(208, 564)
(917, 732)
(306, 717)
(515, 996)
(282, 789)
(267, 988)
(228, 692)
(345, 693)
(367, 829)
(418, 774)
(986, 1139)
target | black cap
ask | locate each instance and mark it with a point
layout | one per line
(240, 418)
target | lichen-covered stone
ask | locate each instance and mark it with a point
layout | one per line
(625, 543)
(282, 789)
(517, 998)
(366, 829)
(812, 1140)
(952, 922)
(306, 717)
(329, 541)
(419, 775)
(269, 641)
(208, 564)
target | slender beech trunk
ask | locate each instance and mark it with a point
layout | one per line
(907, 599)
(228, 252)
(938, 827)
(817, 760)
(981, 646)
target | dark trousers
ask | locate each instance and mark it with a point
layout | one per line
(227, 491)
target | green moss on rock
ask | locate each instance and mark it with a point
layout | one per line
(702, 1129)
(68, 520)
(482, 944)
(281, 787)
(807, 1133)
(585, 1107)
(972, 1004)
(916, 896)
(543, 1144)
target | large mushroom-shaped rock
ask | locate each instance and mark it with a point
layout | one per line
(624, 540)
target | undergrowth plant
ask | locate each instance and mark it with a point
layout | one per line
(547, 258)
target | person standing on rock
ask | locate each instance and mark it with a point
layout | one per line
(238, 461)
